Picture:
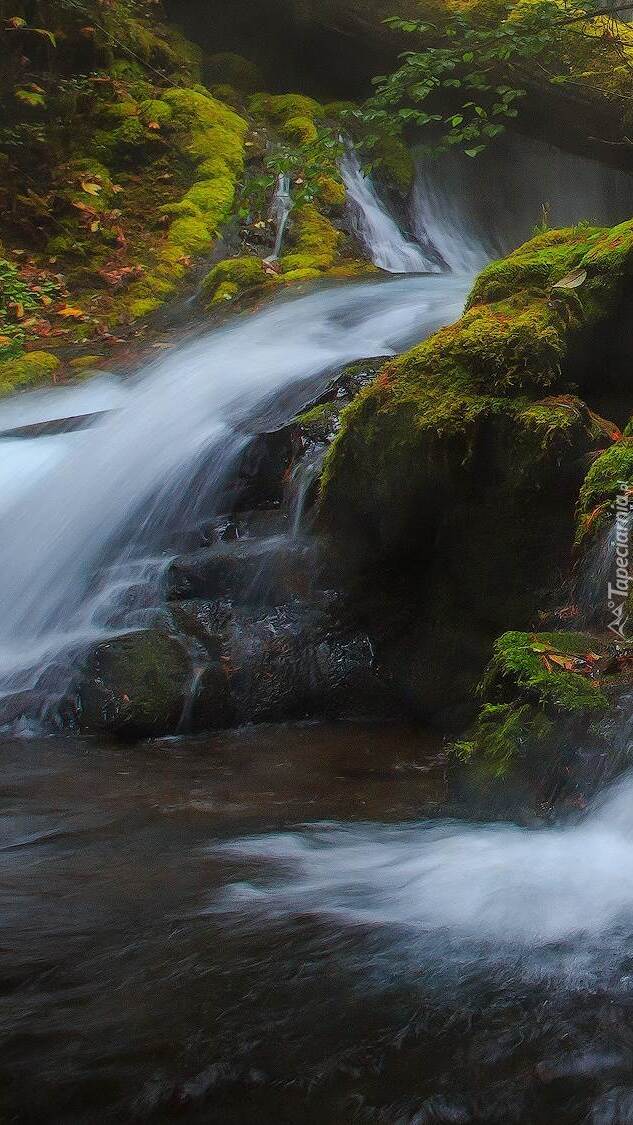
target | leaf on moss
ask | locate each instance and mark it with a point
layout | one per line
(572, 280)
(71, 312)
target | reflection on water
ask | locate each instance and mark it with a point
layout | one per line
(128, 992)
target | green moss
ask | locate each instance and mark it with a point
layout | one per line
(191, 235)
(85, 363)
(319, 423)
(612, 470)
(300, 130)
(331, 191)
(395, 162)
(315, 241)
(301, 275)
(27, 371)
(233, 276)
(144, 306)
(527, 691)
(281, 108)
(503, 733)
(194, 109)
(155, 110)
(213, 138)
(517, 664)
(536, 265)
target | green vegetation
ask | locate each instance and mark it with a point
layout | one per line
(473, 66)
(529, 689)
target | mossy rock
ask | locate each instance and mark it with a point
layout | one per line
(300, 130)
(331, 191)
(439, 460)
(281, 108)
(26, 371)
(233, 276)
(610, 475)
(135, 685)
(315, 241)
(537, 688)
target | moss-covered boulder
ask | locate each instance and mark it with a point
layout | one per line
(26, 371)
(135, 686)
(610, 475)
(537, 688)
(233, 276)
(450, 490)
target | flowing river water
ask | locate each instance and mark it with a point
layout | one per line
(299, 922)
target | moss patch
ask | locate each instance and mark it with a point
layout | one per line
(534, 682)
(604, 481)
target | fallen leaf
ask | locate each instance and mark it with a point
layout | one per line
(90, 188)
(153, 125)
(70, 311)
(562, 662)
(94, 227)
(571, 280)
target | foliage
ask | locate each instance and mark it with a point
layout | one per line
(308, 163)
(482, 61)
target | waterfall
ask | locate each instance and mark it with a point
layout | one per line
(92, 512)
(280, 211)
(471, 210)
(375, 228)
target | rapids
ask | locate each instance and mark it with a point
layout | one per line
(274, 925)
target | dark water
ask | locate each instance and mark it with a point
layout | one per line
(130, 990)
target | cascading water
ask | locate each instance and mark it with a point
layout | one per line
(375, 228)
(280, 212)
(470, 210)
(113, 492)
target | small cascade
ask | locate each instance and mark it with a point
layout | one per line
(470, 210)
(603, 582)
(90, 555)
(303, 477)
(375, 228)
(280, 211)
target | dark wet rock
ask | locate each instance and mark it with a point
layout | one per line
(206, 621)
(212, 706)
(289, 661)
(261, 471)
(270, 571)
(135, 685)
(296, 661)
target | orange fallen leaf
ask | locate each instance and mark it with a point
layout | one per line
(562, 662)
(70, 311)
(153, 125)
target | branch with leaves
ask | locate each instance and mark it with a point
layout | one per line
(467, 76)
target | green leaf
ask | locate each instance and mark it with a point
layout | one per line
(474, 151)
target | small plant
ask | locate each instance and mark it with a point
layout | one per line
(304, 164)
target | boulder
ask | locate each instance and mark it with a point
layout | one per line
(449, 492)
(135, 685)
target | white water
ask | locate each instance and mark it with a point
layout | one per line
(376, 230)
(470, 210)
(493, 883)
(280, 212)
(112, 491)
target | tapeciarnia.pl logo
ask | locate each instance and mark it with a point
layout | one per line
(618, 588)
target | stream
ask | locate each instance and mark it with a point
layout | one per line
(297, 921)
